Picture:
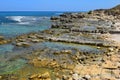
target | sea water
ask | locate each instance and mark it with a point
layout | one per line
(13, 24)
(16, 23)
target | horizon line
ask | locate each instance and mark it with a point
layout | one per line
(42, 11)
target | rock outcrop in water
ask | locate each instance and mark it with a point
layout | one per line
(3, 41)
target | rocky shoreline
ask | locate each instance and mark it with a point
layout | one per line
(90, 28)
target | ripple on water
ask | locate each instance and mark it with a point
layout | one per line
(15, 30)
(6, 48)
(6, 66)
(11, 66)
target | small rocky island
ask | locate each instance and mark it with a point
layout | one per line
(98, 29)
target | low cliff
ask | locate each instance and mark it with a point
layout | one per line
(115, 11)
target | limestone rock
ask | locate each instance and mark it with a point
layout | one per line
(66, 51)
(110, 65)
(23, 44)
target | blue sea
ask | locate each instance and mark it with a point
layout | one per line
(30, 13)
(16, 23)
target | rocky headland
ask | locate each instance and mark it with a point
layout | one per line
(94, 28)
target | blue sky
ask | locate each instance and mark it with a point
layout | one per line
(55, 5)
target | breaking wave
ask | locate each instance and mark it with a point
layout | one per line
(15, 18)
(21, 19)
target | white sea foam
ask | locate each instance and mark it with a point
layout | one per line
(27, 19)
(15, 18)
(24, 23)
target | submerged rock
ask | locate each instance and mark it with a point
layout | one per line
(44, 76)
